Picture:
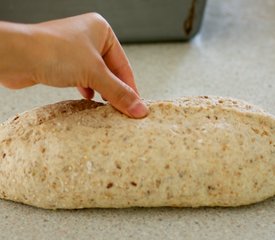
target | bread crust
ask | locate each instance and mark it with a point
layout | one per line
(191, 152)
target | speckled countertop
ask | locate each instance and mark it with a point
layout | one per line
(234, 55)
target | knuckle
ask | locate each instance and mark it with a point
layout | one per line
(94, 16)
(100, 24)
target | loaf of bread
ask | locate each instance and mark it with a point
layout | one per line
(195, 151)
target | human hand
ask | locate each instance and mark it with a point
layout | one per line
(82, 52)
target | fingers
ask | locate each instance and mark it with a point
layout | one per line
(87, 93)
(119, 94)
(116, 60)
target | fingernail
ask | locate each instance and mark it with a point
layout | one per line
(138, 109)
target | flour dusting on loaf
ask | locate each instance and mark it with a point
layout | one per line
(191, 152)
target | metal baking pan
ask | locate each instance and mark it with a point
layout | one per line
(132, 20)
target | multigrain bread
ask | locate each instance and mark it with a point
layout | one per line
(195, 151)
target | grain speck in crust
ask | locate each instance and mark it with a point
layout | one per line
(190, 152)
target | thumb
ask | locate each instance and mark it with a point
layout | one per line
(119, 94)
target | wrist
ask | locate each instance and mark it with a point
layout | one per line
(15, 50)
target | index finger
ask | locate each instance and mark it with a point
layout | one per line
(117, 61)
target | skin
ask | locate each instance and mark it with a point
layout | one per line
(80, 51)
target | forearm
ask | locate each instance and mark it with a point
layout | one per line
(15, 47)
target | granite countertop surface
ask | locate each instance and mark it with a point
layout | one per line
(234, 55)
